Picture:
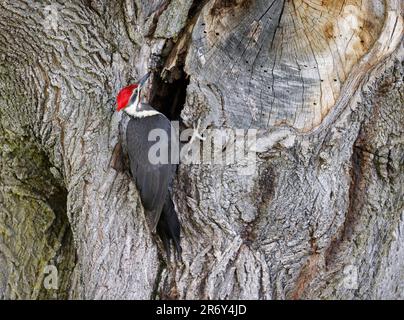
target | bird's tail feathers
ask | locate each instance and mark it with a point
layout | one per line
(169, 228)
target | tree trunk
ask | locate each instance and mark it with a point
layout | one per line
(321, 215)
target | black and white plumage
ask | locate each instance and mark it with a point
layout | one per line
(153, 180)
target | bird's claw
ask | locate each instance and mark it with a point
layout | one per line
(196, 134)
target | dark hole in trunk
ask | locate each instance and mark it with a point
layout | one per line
(169, 97)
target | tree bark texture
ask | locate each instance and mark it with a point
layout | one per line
(321, 81)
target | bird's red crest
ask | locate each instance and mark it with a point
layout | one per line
(124, 95)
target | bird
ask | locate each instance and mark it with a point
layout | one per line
(153, 180)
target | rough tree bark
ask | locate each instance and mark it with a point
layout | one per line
(321, 80)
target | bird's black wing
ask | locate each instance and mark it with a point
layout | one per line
(152, 180)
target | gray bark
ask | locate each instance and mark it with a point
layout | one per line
(322, 81)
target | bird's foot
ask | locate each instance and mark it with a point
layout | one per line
(196, 134)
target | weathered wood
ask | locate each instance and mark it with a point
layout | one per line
(321, 80)
(283, 63)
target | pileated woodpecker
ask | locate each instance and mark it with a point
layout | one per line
(152, 180)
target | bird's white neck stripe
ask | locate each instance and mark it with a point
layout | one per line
(143, 113)
(134, 112)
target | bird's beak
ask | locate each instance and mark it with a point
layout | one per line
(143, 79)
